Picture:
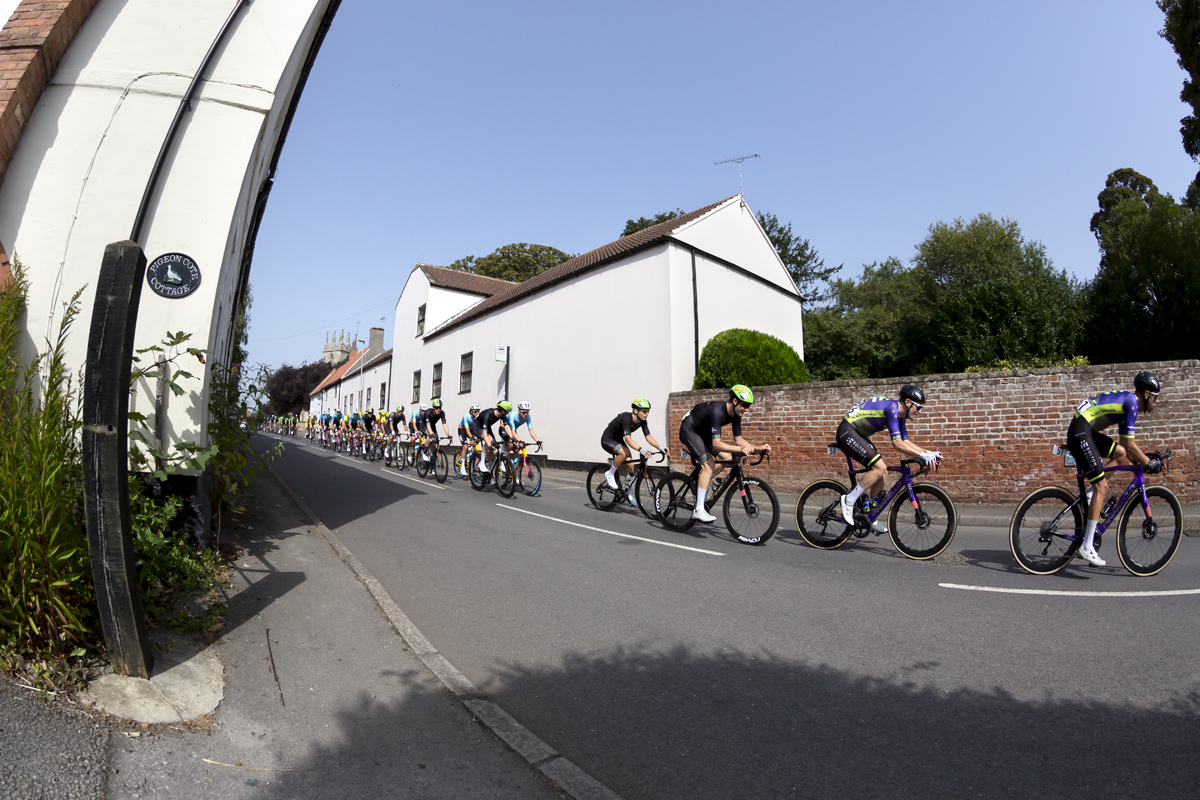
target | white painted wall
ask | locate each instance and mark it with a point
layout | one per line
(731, 232)
(82, 163)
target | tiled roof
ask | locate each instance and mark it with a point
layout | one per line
(384, 356)
(464, 281)
(576, 266)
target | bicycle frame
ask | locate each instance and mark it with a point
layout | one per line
(734, 465)
(1138, 484)
(905, 483)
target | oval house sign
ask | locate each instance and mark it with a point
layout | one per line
(173, 275)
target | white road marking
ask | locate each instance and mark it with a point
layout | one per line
(611, 533)
(1057, 593)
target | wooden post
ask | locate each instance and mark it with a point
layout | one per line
(105, 458)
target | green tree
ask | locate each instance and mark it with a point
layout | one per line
(641, 223)
(801, 259)
(289, 387)
(1181, 27)
(1145, 299)
(513, 262)
(991, 295)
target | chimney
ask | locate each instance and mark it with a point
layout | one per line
(375, 346)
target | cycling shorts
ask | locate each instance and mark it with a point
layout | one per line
(614, 448)
(1090, 448)
(857, 446)
(477, 431)
(464, 436)
(698, 446)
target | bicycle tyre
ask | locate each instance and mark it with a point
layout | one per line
(1036, 542)
(745, 518)
(506, 477)
(422, 462)
(819, 515)
(924, 532)
(643, 491)
(680, 493)
(1151, 545)
(530, 477)
(441, 467)
(603, 496)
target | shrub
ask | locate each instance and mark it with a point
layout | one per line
(742, 356)
(1005, 364)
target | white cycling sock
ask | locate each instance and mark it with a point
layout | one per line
(1089, 533)
(855, 493)
(700, 493)
(611, 471)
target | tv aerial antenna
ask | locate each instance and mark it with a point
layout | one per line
(739, 160)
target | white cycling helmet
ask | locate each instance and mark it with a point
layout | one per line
(424, 407)
(474, 407)
(523, 405)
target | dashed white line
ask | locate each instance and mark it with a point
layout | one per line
(1059, 593)
(611, 533)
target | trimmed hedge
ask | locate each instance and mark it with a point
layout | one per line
(755, 359)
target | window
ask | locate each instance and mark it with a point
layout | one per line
(464, 373)
(417, 386)
(436, 388)
(420, 323)
(383, 396)
(368, 397)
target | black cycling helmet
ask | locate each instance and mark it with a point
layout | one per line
(1146, 382)
(912, 392)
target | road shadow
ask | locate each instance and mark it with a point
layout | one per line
(683, 724)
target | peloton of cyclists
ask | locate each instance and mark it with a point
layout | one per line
(1091, 447)
(854, 438)
(700, 432)
(618, 440)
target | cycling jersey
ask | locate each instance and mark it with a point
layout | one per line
(368, 421)
(1111, 408)
(486, 419)
(613, 438)
(876, 413)
(433, 416)
(466, 421)
(514, 420)
(397, 420)
(707, 419)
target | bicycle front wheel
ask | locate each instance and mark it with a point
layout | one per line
(1046, 530)
(925, 531)
(644, 489)
(530, 477)
(1147, 542)
(422, 464)
(819, 515)
(603, 496)
(752, 515)
(506, 478)
(675, 500)
(441, 467)
(478, 477)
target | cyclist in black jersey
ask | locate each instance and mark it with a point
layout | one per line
(433, 416)
(368, 420)
(481, 427)
(617, 440)
(700, 432)
(396, 421)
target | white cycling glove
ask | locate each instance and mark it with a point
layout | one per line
(930, 456)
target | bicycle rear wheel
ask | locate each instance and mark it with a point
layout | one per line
(603, 496)
(644, 489)
(819, 515)
(1146, 544)
(441, 466)
(675, 501)
(752, 515)
(422, 462)
(506, 477)
(1046, 530)
(478, 477)
(530, 477)
(925, 531)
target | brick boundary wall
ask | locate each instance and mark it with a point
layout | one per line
(996, 429)
(32, 43)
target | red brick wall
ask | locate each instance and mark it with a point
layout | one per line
(995, 429)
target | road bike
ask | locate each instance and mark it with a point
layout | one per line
(1048, 526)
(751, 508)
(642, 482)
(499, 474)
(527, 470)
(428, 456)
(920, 529)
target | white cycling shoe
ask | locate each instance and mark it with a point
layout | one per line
(847, 510)
(632, 500)
(878, 526)
(700, 515)
(1088, 554)
(612, 480)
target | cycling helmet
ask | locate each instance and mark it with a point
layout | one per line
(424, 407)
(437, 403)
(523, 405)
(641, 403)
(370, 409)
(914, 393)
(400, 408)
(1146, 382)
(474, 407)
(504, 406)
(743, 393)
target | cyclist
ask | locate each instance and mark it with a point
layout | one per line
(481, 427)
(700, 432)
(464, 433)
(853, 437)
(395, 421)
(516, 418)
(1090, 447)
(617, 440)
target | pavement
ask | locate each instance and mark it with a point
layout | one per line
(318, 685)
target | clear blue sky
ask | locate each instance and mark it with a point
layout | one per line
(429, 132)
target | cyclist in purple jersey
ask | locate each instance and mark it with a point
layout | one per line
(1091, 447)
(700, 432)
(617, 440)
(853, 437)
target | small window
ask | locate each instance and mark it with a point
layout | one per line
(464, 373)
(420, 323)
(368, 397)
(383, 396)
(436, 388)
(417, 386)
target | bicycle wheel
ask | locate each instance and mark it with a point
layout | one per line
(506, 477)
(1046, 530)
(603, 496)
(478, 477)
(923, 532)
(441, 466)
(530, 477)
(752, 515)
(644, 489)
(675, 501)
(819, 515)
(422, 462)
(1146, 544)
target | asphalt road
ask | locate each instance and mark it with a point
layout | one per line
(782, 671)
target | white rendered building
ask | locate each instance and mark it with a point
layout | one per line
(585, 338)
